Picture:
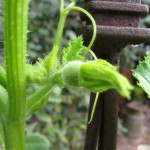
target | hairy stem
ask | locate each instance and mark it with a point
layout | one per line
(61, 5)
(61, 24)
(13, 135)
(15, 52)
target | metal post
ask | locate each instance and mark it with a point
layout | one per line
(92, 133)
(108, 126)
(117, 26)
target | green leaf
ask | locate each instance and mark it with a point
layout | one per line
(42, 116)
(72, 52)
(142, 74)
(36, 141)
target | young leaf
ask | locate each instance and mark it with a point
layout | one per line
(50, 62)
(142, 74)
(72, 52)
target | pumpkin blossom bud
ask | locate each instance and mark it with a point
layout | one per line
(96, 76)
(99, 76)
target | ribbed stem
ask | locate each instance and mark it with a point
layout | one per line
(15, 52)
(13, 135)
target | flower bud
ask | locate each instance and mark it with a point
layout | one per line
(99, 76)
(96, 76)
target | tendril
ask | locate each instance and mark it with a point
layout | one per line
(69, 8)
(93, 109)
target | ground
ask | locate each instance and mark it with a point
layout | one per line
(127, 143)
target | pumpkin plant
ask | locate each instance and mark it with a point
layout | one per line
(67, 68)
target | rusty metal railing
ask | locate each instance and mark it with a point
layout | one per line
(117, 26)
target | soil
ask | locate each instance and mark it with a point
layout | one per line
(128, 143)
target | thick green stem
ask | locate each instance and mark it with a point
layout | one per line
(12, 135)
(15, 52)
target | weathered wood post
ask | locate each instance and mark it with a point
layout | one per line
(117, 26)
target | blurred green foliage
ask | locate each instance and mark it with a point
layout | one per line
(36, 141)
